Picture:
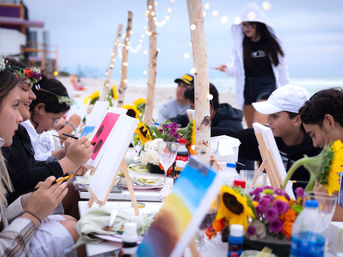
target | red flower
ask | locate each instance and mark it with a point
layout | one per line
(28, 72)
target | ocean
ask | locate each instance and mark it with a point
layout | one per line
(224, 84)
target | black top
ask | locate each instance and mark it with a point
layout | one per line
(260, 65)
(289, 154)
(24, 170)
(225, 117)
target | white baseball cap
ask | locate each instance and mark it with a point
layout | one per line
(288, 98)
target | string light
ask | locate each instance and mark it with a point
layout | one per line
(193, 70)
(215, 13)
(203, 14)
(210, 97)
(193, 27)
(266, 5)
(223, 19)
(251, 15)
(144, 72)
(186, 55)
(237, 20)
(207, 6)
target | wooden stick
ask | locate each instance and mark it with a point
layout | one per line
(193, 248)
(105, 88)
(201, 85)
(123, 167)
(124, 61)
(152, 63)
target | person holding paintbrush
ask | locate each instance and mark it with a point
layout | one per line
(43, 107)
(27, 228)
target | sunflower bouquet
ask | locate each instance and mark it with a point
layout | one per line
(324, 168)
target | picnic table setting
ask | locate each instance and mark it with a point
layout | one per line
(202, 203)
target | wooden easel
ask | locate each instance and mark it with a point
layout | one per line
(123, 168)
(268, 163)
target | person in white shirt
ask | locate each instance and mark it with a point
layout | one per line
(179, 105)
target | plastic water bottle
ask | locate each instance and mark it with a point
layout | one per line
(130, 238)
(308, 232)
(235, 240)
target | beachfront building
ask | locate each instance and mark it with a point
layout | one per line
(25, 39)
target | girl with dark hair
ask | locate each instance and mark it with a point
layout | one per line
(22, 232)
(52, 102)
(259, 63)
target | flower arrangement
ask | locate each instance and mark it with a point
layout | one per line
(149, 154)
(324, 168)
(275, 212)
(235, 207)
(29, 75)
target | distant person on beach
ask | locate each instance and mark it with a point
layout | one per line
(179, 105)
(258, 62)
(282, 108)
(322, 117)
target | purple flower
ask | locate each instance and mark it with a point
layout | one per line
(269, 197)
(257, 198)
(276, 226)
(172, 131)
(271, 214)
(299, 192)
(160, 130)
(174, 125)
(251, 231)
(258, 210)
(279, 191)
(268, 187)
(264, 203)
(256, 191)
(280, 206)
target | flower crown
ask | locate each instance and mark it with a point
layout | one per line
(29, 75)
(61, 99)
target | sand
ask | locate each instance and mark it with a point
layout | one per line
(162, 94)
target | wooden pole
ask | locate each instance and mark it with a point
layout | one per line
(201, 85)
(105, 88)
(124, 61)
(152, 62)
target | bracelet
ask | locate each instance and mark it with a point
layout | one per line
(68, 123)
(33, 215)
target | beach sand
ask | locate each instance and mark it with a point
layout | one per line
(162, 94)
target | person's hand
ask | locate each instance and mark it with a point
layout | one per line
(46, 198)
(75, 120)
(221, 67)
(59, 124)
(79, 151)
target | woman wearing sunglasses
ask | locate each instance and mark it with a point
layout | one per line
(258, 62)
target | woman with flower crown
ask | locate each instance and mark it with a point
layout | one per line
(26, 229)
(28, 172)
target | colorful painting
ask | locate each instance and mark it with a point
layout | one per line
(182, 211)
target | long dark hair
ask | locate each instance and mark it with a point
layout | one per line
(270, 45)
(50, 100)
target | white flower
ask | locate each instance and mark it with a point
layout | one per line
(2, 63)
(150, 152)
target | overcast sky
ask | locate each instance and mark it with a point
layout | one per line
(84, 30)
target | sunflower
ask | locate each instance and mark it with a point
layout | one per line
(114, 93)
(234, 207)
(132, 111)
(139, 101)
(143, 133)
(93, 98)
(323, 168)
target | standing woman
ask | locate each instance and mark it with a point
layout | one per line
(259, 63)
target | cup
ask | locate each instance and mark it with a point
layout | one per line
(253, 178)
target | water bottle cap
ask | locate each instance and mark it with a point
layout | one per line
(236, 230)
(130, 232)
(231, 165)
(182, 141)
(311, 203)
(156, 124)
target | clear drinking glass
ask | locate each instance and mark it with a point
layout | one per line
(167, 153)
(253, 178)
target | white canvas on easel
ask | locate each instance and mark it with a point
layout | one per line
(112, 161)
(271, 159)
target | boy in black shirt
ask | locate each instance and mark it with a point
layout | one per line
(282, 108)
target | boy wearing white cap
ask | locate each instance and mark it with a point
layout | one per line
(282, 108)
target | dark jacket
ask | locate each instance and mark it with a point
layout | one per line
(248, 149)
(24, 170)
(225, 117)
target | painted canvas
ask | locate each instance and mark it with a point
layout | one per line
(182, 211)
